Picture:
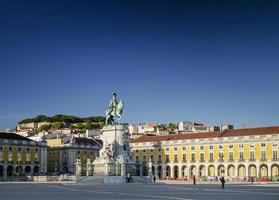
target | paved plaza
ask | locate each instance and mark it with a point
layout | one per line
(136, 191)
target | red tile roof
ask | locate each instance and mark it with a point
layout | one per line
(226, 133)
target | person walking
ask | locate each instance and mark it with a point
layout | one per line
(154, 179)
(194, 180)
(222, 180)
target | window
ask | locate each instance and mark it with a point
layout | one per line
(144, 150)
(175, 158)
(211, 156)
(231, 146)
(274, 155)
(240, 146)
(263, 155)
(137, 150)
(274, 144)
(144, 158)
(252, 146)
(137, 158)
(263, 144)
(241, 155)
(220, 146)
(167, 149)
(167, 158)
(221, 156)
(184, 157)
(159, 149)
(19, 149)
(202, 156)
(151, 150)
(201, 147)
(231, 155)
(175, 148)
(192, 147)
(159, 158)
(252, 155)
(36, 149)
(28, 149)
(211, 147)
(184, 148)
(10, 148)
(78, 152)
(193, 157)
(1, 148)
(151, 157)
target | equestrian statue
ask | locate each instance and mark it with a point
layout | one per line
(114, 110)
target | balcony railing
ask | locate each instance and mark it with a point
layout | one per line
(241, 160)
(275, 159)
(202, 161)
(211, 160)
(231, 160)
(175, 161)
(263, 159)
(193, 161)
(221, 160)
(252, 159)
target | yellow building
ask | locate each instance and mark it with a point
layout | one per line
(63, 153)
(237, 154)
(20, 156)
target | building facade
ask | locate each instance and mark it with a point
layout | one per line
(238, 154)
(63, 153)
(20, 156)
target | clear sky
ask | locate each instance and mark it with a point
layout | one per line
(208, 61)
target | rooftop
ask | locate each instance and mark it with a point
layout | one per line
(13, 136)
(216, 134)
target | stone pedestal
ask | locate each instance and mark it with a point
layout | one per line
(116, 151)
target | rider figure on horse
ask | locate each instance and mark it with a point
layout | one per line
(112, 104)
(115, 109)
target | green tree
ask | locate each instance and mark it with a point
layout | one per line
(57, 125)
(44, 127)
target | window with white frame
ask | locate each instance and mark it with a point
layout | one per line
(274, 155)
(263, 155)
(241, 157)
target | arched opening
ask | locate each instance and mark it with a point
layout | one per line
(211, 170)
(175, 170)
(19, 170)
(65, 170)
(138, 169)
(159, 170)
(221, 170)
(10, 170)
(1, 170)
(231, 171)
(184, 171)
(168, 171)
(263, 171)
(275, 171)
(153, 170)
(27, 169)
(252, 171)
(202, 171)
(36, 169)
(144, 170)
(193, 170)
(241, 171)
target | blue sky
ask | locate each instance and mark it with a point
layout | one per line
(208, 61)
